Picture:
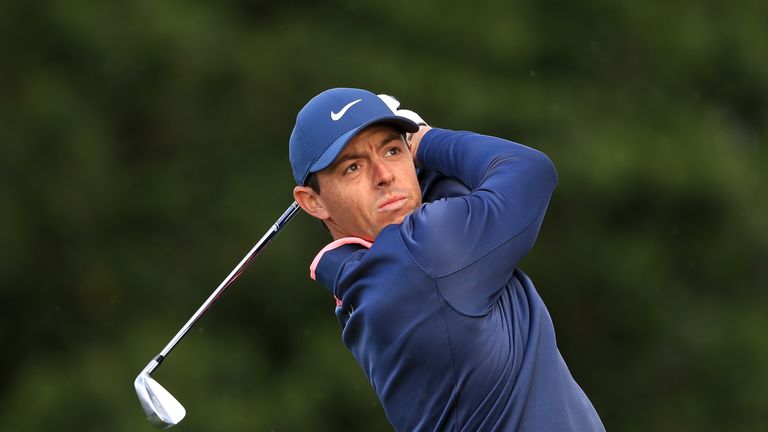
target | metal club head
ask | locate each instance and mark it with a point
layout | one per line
(161, 408)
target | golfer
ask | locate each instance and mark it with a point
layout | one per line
(450, 333)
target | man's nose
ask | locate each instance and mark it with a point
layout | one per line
(384, 175)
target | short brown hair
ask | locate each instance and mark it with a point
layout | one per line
(312, 182)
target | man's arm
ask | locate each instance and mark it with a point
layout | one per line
(472, 244)
(414, 140)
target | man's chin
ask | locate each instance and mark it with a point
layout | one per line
(398, 217)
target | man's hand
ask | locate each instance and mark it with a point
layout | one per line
(394, 104)
(412, 139)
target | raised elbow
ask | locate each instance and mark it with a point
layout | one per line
(544, 168)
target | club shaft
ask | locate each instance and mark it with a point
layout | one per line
(268, 236)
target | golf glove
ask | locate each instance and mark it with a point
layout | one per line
(394, 104)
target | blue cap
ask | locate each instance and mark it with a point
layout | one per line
(329, 121)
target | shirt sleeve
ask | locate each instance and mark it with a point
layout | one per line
(471, 244)
(435, 186)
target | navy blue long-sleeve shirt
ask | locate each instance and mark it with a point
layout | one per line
(451, 335)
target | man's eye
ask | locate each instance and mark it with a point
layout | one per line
(394, 151)
(351, 168)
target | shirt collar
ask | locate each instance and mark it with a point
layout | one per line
(324, 261)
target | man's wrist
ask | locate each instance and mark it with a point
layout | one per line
(414, 139)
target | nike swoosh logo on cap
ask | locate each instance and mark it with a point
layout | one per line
(340, 114)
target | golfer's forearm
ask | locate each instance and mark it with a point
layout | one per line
(480, 160)
(496, 224)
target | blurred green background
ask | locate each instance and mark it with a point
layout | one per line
(144, 150)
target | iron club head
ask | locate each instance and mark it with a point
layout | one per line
(161, 408)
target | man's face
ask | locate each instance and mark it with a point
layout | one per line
(371, 184)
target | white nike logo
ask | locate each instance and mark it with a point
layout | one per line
(340, 114)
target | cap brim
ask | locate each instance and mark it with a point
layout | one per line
(332, 152)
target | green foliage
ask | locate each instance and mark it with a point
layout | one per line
(144, 150)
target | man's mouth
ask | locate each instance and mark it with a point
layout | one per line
(394, 203)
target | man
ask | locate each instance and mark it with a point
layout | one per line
(451, 335)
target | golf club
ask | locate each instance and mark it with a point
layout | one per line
(162, 409)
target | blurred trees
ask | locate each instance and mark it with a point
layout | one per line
(144, 150)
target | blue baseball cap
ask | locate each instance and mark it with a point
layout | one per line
(329, 121)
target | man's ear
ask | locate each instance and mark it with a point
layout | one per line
(310, 202)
